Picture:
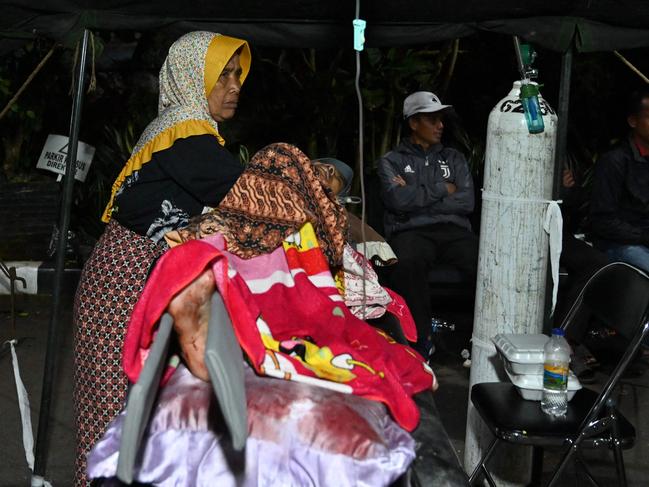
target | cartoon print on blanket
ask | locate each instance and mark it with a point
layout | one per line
(287, 296)
(319, 360)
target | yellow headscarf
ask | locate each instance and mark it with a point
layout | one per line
(193, 65)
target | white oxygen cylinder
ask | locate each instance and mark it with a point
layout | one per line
(513, 259)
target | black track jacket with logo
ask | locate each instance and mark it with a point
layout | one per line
(424, 200)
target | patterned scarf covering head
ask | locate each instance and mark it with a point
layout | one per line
(192, 68)
(277, 193)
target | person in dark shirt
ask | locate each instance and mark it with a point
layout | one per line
(620, 198)
(168, 190)
(579, 258)
(581, 261)
(428, 193)
(178, 167)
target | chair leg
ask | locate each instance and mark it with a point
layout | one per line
(579, 460)
(617, 453)
(562, 465)
(537, 466)
(619, 465)
(482, 466)
(616, 442)
(490, 479)
(616, 446)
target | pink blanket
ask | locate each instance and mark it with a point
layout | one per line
(287, 324)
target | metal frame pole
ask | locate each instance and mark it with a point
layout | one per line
(40, 455)
(560, 156)
(562, 122)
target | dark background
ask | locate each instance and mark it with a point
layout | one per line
(303, 96)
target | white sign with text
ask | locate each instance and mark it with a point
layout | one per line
(55, 152)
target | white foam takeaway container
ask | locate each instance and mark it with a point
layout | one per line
(522, 356)
(521, 353)
(530, 386)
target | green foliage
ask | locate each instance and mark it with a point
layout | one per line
(110, 156)
(472, 147)
(301, 96)
(307, 97)
(389, 75)
(24, 120)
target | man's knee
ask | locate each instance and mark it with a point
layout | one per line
(636, 255)
(410, 249)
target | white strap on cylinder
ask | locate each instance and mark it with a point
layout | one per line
(553, 226)
(25, 417)
(38, 481)
(485, 345)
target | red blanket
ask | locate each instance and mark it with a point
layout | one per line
(287, 324)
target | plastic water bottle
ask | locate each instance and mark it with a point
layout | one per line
(555, 374)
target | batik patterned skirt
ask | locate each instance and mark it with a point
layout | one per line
(110, 285)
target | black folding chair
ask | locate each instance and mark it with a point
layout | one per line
(618, 296)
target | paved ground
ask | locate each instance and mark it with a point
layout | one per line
(451, 400)
(32, 326)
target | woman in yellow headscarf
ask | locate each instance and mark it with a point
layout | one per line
(178, 170)
(178, 167)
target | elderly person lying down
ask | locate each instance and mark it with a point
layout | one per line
(286, 317)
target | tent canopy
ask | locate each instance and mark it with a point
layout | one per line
(593, 24)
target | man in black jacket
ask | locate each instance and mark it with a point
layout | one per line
(620, 205)
(427, 190)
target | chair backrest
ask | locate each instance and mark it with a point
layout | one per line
(617, 296)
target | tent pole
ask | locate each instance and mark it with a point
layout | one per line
(560, 159)
(562, 122)
(40, 463)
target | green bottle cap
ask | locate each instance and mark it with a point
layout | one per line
(529, 90)
(528, 54)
